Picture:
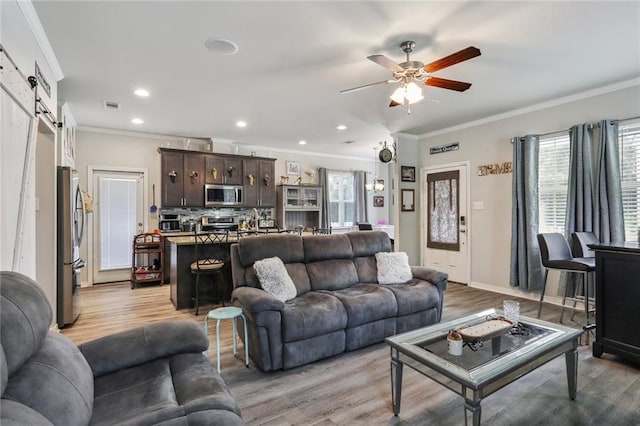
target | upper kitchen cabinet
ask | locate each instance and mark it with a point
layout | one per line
(182, 179)
(259, 187)
(223, 170)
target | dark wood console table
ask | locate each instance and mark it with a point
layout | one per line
(617, 300)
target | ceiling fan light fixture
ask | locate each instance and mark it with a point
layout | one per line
(398, 95)
(413, 93)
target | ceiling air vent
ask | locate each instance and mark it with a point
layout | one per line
(111, 105)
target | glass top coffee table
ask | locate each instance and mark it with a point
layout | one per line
(486, 367)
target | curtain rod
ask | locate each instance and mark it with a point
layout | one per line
(591, 125)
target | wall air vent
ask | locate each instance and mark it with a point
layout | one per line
(111, 105)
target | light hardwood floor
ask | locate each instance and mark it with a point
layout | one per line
(354, 388)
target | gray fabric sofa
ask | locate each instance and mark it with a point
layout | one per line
(339, 304)
(151, 375)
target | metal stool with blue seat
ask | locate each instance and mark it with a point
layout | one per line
(232, 313)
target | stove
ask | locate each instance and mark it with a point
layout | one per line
(210, 223)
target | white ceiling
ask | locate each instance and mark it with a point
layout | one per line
(294, 58)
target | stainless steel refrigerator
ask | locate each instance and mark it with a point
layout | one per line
(70, 231)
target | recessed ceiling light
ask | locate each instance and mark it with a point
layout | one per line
(143, 93)
(302, 143)
(341, 127)
(137, 121)
(221, 46)
(241, 123)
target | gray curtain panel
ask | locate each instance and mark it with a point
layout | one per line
(325, 209)
(580, 192)
(360, 198)
(526, 268)
(580, 205)
(609, 220)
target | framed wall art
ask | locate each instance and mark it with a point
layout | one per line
(408, 200)
(408, 173)
(293, 167)
(378, 201)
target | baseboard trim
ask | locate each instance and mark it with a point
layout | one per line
(511, 291)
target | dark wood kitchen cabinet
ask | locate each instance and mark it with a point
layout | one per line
(223, 170)
(182, 179)
(259, 183)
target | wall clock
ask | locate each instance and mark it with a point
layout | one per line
(385, 155)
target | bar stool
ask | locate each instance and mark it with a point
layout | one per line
(204, 265)
(229, 312)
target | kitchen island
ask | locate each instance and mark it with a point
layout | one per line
(182, 253)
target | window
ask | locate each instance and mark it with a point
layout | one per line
(341, 198)
(629, 140)
(553, 182)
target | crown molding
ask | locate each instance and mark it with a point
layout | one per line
(537, 107)
(37, 29)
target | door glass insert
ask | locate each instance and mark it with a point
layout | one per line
(117, 221)
(443, 210)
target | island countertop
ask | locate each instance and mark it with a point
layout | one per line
(624, 247)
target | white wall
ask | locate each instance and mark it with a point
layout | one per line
(17, 35)
(489, 143)
(106, 148)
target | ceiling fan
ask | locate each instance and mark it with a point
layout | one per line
(408, 72)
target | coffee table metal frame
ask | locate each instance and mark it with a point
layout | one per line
(477, 383)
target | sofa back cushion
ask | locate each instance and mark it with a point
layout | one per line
(332, 274)
(325, 247)
(25, 316)
(365, 245)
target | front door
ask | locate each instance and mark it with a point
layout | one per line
(118, 216)
(446, 219)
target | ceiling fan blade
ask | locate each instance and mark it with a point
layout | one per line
(459, 86)
(355, 89)
(454, 58)
(393, 104)
(385, 62)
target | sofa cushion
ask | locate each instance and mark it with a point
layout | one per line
(367, 269)
(393, 267)
(25, 316)
(274, 278)
(415, 296)
(368, 243)
(289, 248)
(367, 302)
(56, 382)
(325, 247)
(15, 414)
(312, 314)
(332, 274)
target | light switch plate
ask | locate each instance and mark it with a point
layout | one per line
(478, 205)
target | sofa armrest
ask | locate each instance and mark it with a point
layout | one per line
(437, 278)
(143, 344)
(256, 300)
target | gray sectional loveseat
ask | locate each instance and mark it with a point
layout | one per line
(155, 374)
(339, 304)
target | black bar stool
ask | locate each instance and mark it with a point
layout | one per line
(205, 265)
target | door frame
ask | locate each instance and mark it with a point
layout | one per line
(423, 208)
(91, 172)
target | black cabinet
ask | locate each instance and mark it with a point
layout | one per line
(182, 179)
(617, 300)
(259, 184)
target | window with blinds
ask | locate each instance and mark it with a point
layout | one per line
(553, 182)
(629, 140)
(341, 197)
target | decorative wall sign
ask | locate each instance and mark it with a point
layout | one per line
(444, 148)
(408, 173)
(43, 81)
(495, 169)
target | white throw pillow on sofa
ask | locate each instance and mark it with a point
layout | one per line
(393, 268)
(275, 279)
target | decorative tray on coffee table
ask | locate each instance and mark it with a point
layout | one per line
(485, 330)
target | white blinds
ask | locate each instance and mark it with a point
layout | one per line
(553, 181)
(117, 221)
(629, 139)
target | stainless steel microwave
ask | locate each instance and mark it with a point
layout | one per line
(223, 195)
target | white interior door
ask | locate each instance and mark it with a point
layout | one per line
(445, 237)
(118, 216)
